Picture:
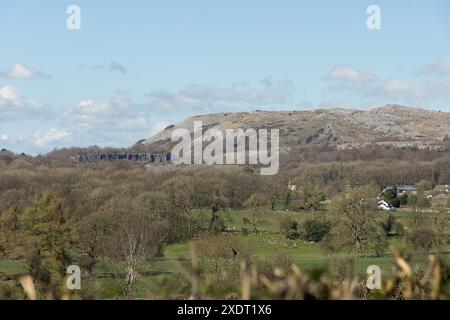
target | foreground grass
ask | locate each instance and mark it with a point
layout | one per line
(12, 267)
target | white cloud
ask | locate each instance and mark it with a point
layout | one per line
(22, 72)
(203, 97)
(119, 121)
(13, 106)
(116, 122)
(349, 74)
(396, 86)
(118, 113)
(50, 137)
(441, 68)
(4, 137)
(90, 111)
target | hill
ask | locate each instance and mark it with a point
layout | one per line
(340, 129)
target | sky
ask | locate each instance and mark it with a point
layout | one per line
(133, 68)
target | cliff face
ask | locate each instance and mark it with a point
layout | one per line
(339, 128)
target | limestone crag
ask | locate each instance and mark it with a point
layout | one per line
(129, 156)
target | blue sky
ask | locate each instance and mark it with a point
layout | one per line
(134, 68)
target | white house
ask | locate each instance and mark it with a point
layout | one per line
(383, 205)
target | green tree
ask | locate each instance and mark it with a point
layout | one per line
(9, 232)
(309, 198)
(389, 194)
(47, 239)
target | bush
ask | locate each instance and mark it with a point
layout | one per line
(289, 227)
(419, 200)
(390, 194)
(403, 199)
(283, 261)
(379, 244)
(391, 226)
(315, 230)
(422, 239)
(292, 234)
(395, 203)
(220, 255)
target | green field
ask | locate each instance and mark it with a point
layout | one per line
(265, 246)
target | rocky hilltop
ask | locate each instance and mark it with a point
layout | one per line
(393, 125)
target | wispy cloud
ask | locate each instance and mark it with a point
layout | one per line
(22, 72)
(441, 68)
(113, 67)
(118, 67)
(397, 89)
(201, 97)
(368, 85)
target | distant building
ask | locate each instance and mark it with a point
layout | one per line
(401, 188)
(442, 188)
(383, 205)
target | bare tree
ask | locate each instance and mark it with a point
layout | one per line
(182, 197)
(91, 235)
(256, 204)
(136, 238)
(353, 212)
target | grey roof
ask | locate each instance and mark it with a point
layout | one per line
(404, 187)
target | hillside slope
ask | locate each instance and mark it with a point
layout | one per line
(339, 128)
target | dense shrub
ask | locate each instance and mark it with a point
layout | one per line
(395, 202)
(314, 230)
